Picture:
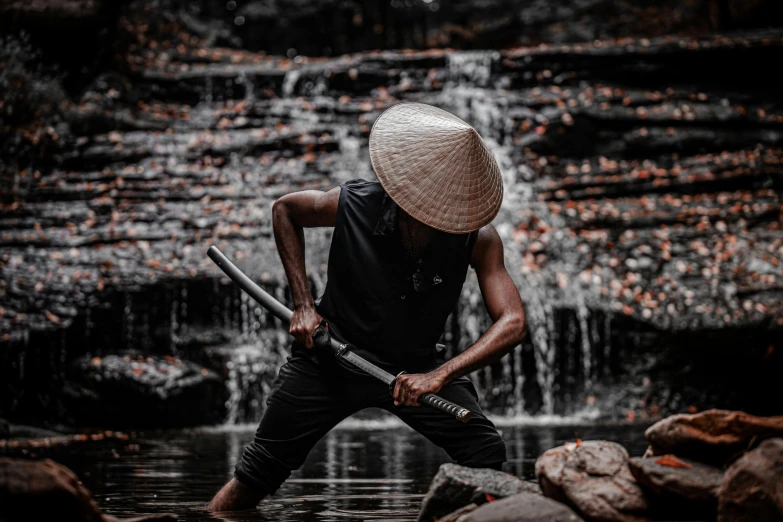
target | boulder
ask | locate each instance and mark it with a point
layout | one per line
(458, 514)
(693, 486)
(45, 490)
(522, 507)
(138, 391)
(593, 478)
(712, 436)
(456, 486)
(752, 489)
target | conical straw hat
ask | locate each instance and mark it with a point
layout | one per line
(436, 167)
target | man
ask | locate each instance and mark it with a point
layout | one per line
(398, 259)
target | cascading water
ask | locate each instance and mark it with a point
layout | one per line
(587, 358)
(466, 95)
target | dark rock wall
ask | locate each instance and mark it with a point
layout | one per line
(641, 219)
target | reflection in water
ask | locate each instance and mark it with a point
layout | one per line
(352, 474)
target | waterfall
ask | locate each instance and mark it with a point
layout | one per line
(466, 95)
(250, 88)
(583, 314)
(128, 321)
(289, 82)
(173, 323)
(208, 89)
(252, 365)
(519, 382)
(243, 299)
(241, 378)
(473, 66)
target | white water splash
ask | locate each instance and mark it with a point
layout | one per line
(583, 315)
(475, 66)
(289, 82)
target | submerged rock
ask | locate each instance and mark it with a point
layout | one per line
(456, 486)
(752, 489)
(45, 490)
(522, 507)
(143, 391)
(713, 436)
(592, 477)
(692, 483)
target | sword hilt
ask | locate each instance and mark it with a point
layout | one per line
(439, 403)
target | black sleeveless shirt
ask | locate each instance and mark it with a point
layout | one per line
(369, 299)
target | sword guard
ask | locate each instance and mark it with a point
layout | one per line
(394, 381)
(321, 336)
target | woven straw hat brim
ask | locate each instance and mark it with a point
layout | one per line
(436, 167)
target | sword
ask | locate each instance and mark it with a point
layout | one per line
(340, 350)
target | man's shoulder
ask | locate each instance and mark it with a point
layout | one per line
(362, 187)
(487, 245)
(362, 192)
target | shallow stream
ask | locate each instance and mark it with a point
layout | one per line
(362, 470)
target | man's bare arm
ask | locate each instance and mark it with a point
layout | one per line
(506, 310)
(503, 304)
(290, 215)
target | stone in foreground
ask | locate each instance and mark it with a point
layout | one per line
(682, 484)
(752, 489)
(45, 490)
(455, 486)
(594, 479)
(712, 436)
(522, 507)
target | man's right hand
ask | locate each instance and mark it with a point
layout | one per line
(290, 215)
(304, 323)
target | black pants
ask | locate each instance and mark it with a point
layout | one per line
(308, 400)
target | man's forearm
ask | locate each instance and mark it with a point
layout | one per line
(506, 333)
(289, 238)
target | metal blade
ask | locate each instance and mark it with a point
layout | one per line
(363, 364)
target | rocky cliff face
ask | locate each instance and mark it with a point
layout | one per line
(641, 220)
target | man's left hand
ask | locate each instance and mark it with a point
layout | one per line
(408, 388)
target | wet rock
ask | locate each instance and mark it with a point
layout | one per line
(593, 478)
(143, 391)
(522, 507)
(687, 481)
(455, 486)
(20, 431)
(45, 490)
(752, 488)
(458, 515)
(713, 436)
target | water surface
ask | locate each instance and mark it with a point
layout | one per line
(361, 471)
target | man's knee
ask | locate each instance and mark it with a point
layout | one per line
(257, 469)
(489, 453)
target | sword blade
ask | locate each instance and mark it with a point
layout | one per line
(363, 364)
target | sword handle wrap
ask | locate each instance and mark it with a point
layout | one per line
(458, 412)
(439, 403)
